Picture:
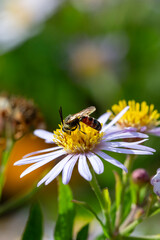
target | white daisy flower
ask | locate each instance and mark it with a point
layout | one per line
(82, 148)
(21, 19)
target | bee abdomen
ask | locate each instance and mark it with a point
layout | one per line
(91, 122)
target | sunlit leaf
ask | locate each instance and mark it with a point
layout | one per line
(153, 237)
(100, 237)
(118, 189)
(107, 199)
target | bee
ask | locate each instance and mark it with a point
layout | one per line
(72, 122)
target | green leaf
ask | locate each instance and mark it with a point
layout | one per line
(118, 189)
(130, 227)
(107, 199)
(153, 237)
(155, 209)
(127, 204)
(64, 225)
(34, 226)
(87, 206)
(83, 233)
(100, 237)
(134, 190)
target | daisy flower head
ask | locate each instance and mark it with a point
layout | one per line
(140, 116)
(155, 181)
(85, 146)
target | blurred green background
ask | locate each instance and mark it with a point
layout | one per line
(89, 53)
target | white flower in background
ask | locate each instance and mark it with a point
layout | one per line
(20, 19)
(155, 181)
(83, 149)
(89, 57)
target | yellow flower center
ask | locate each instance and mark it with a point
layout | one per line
(139, 115)
(78, 141)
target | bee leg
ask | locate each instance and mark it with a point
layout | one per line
(79, 126)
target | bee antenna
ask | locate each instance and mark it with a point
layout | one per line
(60, 113)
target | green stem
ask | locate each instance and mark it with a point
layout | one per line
(125, 179)
(96, 188)
(4, 160)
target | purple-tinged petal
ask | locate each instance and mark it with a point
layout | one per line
(118, 130)
(156, 177)
(42, 151)
(115, 129)
(68, 168)
(55, 171)
(155, 181)
(132, 145)
(111, 160)
(154, 131)
(38, 164)
(104, 117)
(124, 135)
(40, 158)
(47, 136)
(83, 168)
(119, 115)
(96, 162)
(143, 129)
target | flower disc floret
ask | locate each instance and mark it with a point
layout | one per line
(78, 141)
(139, 115)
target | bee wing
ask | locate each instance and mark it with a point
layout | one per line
(84, 112)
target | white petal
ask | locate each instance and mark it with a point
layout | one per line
(68, 168)
(119, 115)
(127, 151)
(115, 129)
(39, 158)
(37, 165)
(124, 135)
(55, 171)
(96, 162)
(104, 117)
(111, 129)
(47, 136)
(42, 151)
(83, 168)
(111, 160)
(132, 145)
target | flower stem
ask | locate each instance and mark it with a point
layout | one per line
(125, 178)
(96, 188)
